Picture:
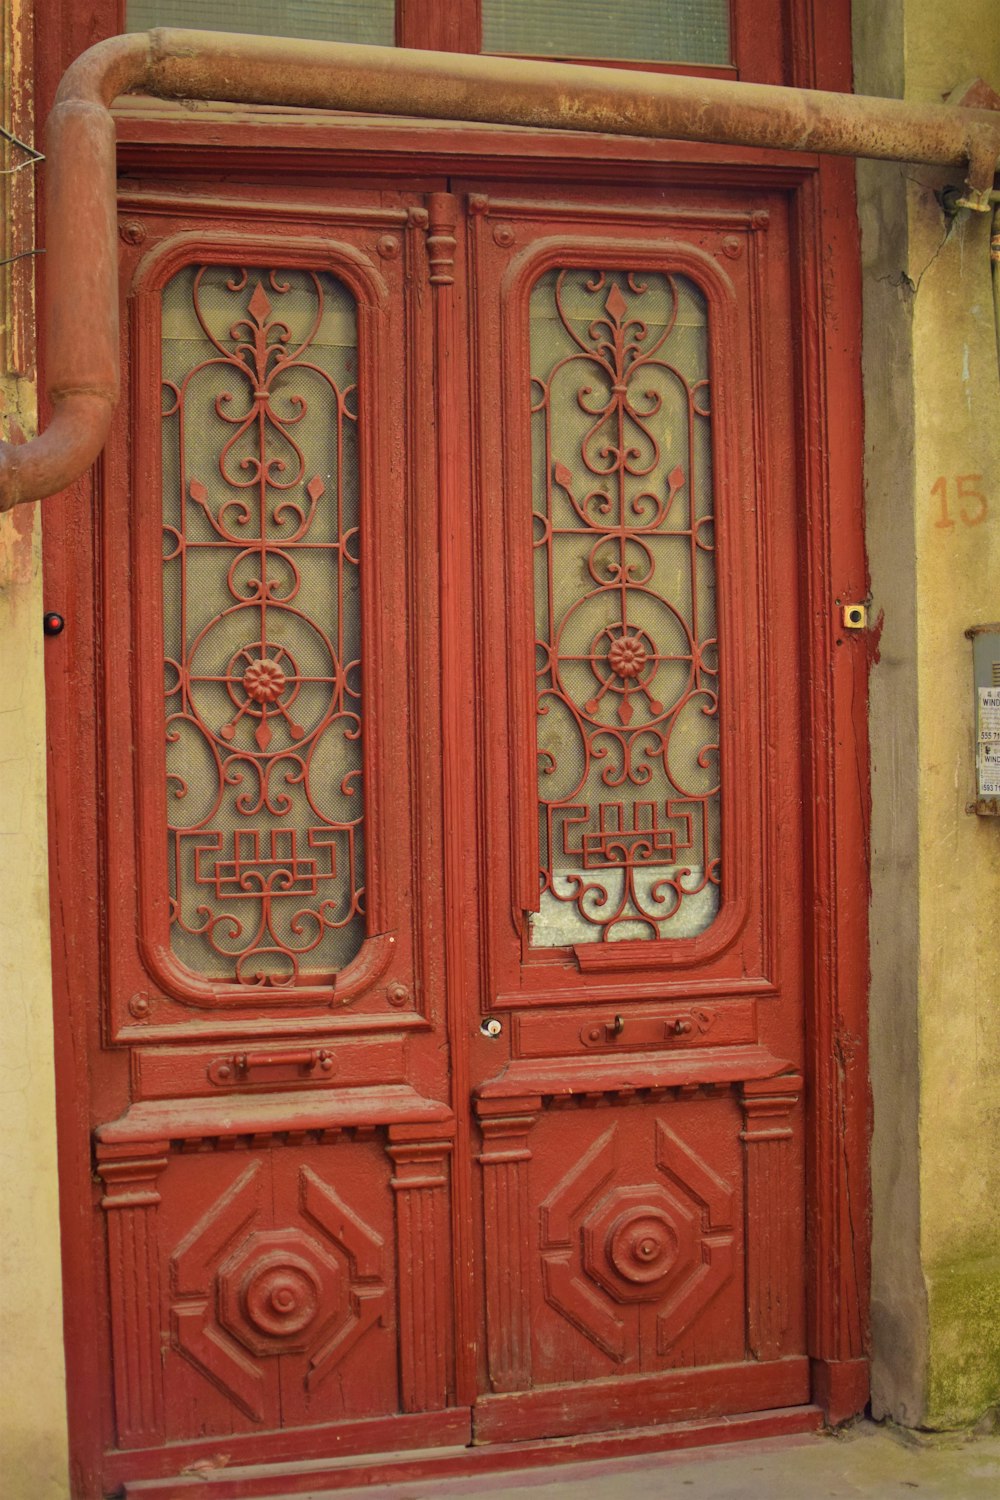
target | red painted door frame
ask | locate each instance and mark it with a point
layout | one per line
(826, 292)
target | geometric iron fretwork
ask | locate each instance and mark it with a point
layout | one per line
(626, 649)
(262, 624)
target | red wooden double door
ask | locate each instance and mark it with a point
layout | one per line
(449, 1083)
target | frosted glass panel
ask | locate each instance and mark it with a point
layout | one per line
(262, 624)
(626, 642)
(363, 21)
(694, 31)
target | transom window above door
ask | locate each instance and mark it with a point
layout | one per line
(693, 32)
(364, 22)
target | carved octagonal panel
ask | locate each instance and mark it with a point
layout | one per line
(279, 1292)
(279, 1270)
(636, 1239)
(614, 1251)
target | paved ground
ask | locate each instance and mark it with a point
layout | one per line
(876, 1463)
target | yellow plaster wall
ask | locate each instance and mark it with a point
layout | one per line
(957, 431)
(33, 1443)
(932, 423)
(957, 403)
(33, 1459)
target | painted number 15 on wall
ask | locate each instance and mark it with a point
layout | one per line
(961, 495)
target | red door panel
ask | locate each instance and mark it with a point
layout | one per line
(271, 1115)
(637, 1079)
(279, 1290)
(278, 891)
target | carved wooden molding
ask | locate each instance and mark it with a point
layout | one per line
(420, 1182)
(441, 240)
(263, 1117)
(504, 1157)
(130, 1200)
(767, 1137)
(626, 1073)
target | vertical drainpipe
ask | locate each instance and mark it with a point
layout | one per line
(995, 265)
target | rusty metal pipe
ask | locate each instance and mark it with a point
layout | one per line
(995, 269)
(81, 268)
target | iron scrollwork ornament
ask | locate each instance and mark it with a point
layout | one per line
(262, 624)
(626, 649)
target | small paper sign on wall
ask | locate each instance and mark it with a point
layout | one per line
(988, 742)
(986, 673)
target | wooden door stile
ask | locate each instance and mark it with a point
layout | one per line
(458, 767)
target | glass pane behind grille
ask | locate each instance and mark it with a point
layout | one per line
(262, 623)
(363, 21)
(626, 639)
(691, 31)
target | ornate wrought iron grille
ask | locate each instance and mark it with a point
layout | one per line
(626, 648)
(262, 637)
